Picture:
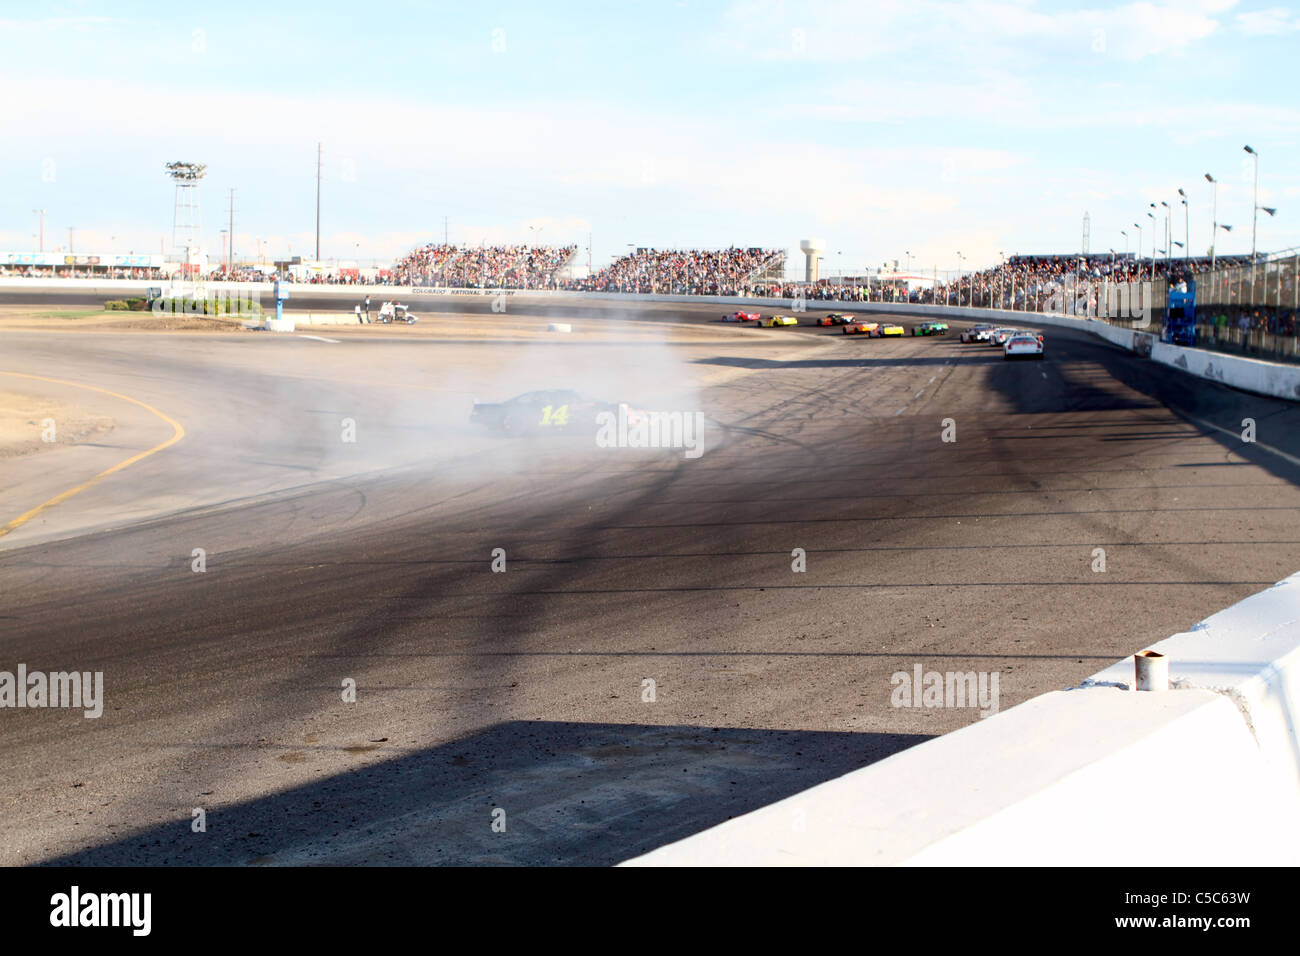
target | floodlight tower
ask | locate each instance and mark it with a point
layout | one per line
(187, 223)
(811, 249)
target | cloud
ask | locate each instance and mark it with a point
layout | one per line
(1275, 21)
(848, 30)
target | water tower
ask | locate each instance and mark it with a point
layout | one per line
(812, 248)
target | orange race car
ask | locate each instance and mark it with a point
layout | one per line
(862, 327)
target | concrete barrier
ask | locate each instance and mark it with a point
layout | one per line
(1075, 777)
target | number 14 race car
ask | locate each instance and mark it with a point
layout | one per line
(559, 411)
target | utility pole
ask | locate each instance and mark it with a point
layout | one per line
(318, 160)
(444, 230)
(40, 214)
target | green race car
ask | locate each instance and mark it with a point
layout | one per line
(930, 328)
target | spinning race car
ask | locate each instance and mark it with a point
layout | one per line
(558, 411)
(741, 317)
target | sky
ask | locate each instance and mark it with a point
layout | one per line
(940, 134)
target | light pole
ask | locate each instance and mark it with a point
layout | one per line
(225, 268)
(1139, 259)
(1187, 239)
(1168, 208)
(961, 264)
(908, 255)
(1254, 219)
(1124, 233)
(40, 215)
(1002, 260)
(1271, 213)
(1152, 216)
(1214, 219)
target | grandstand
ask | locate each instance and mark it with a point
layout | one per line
(484, 267)
(732, 271)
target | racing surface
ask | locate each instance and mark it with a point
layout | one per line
(524, 690)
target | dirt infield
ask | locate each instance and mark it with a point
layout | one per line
(26, 422)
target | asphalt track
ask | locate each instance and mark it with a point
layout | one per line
(524, 691)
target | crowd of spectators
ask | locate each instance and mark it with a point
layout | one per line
(683, 272)
(483, 267)
(1023, 281)
(51, 272)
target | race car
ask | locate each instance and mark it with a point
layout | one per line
(861, 327)
(1023, 345)
(978, 333)
(836, 318)
(930, 328)
(741, 317)
(890, 328)
(773, 321)
(557, 411)
(999, 337)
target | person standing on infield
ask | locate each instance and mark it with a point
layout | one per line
(367, 308)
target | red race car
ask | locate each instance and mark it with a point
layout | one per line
(741, 317)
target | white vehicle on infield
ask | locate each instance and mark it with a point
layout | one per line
(395, 312)
(1022, 345)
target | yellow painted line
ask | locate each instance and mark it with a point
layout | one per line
(177, 435)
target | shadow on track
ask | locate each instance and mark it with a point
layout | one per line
(573, 793)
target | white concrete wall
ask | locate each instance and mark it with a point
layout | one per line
(1207, 774)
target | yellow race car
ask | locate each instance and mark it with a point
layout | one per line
(889, 328)
(773, 321)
